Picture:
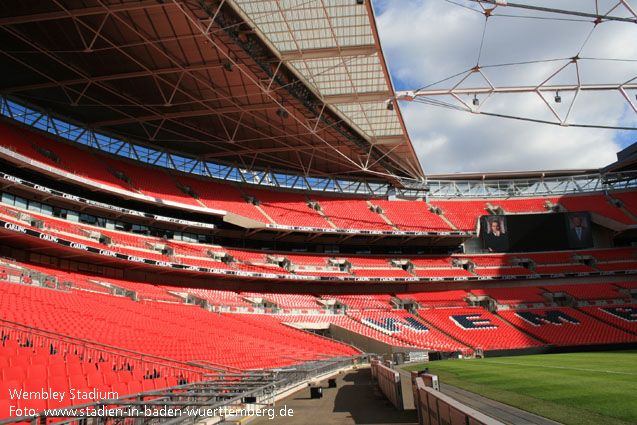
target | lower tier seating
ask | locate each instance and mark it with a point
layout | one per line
(565, 326)
(478, 328)
(408, 329)
(623, 316)
(167, 330)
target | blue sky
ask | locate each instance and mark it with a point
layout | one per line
(428, 40)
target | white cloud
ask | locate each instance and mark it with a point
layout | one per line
(426, 41)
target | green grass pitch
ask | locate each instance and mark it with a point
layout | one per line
(574, 388)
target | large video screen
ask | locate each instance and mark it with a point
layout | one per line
(536, 232)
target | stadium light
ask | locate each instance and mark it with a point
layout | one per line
(282, 113)
(390, 105)
(228, 66)
(476, 102)
(558, 98)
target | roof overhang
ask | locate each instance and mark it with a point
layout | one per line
(229, 80)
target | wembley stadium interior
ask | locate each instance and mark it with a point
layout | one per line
(203, 190)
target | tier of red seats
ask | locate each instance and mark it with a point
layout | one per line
(532, 205)
(616, 266)
(144, 290)
(152, 182)
(565, 326)
(517, 295)
(613, 254)
(564, 268)
(167, 330)
(217, 297)
(501, 271)
(435, 262)
(477, 328)
(289, 209)
(286, 300)
(396, 273)
(308, 259)
(412, 216)
(368, 261)
(597, 204)
(555, 257)
(351, 214)
(593, 291)
(451, 273)
(622, 315)
(363, 302)
(491, 260)
(19, 141)
(79, 161)
(141, 246)
(223, 197)
(407, 328)
(463, 214)
(629, 199)
(33, 369)
(452, 298)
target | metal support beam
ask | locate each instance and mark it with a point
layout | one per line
(365, 50)
(76, 13)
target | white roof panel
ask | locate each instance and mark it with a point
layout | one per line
(319, 39)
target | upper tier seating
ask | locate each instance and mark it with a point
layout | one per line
(463, 214)
(534, 205)
(19, 141)
(351, 214)
(565, 326)
(223, 197)
(152, 182)
(412, 216)
(79, 161)
(629, 199)
(478, 328)
(288, 209)
(597, 204)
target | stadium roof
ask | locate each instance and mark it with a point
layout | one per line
(295, 86)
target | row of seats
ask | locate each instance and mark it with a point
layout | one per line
(448, 298)
(291, 209)
(363, 266)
